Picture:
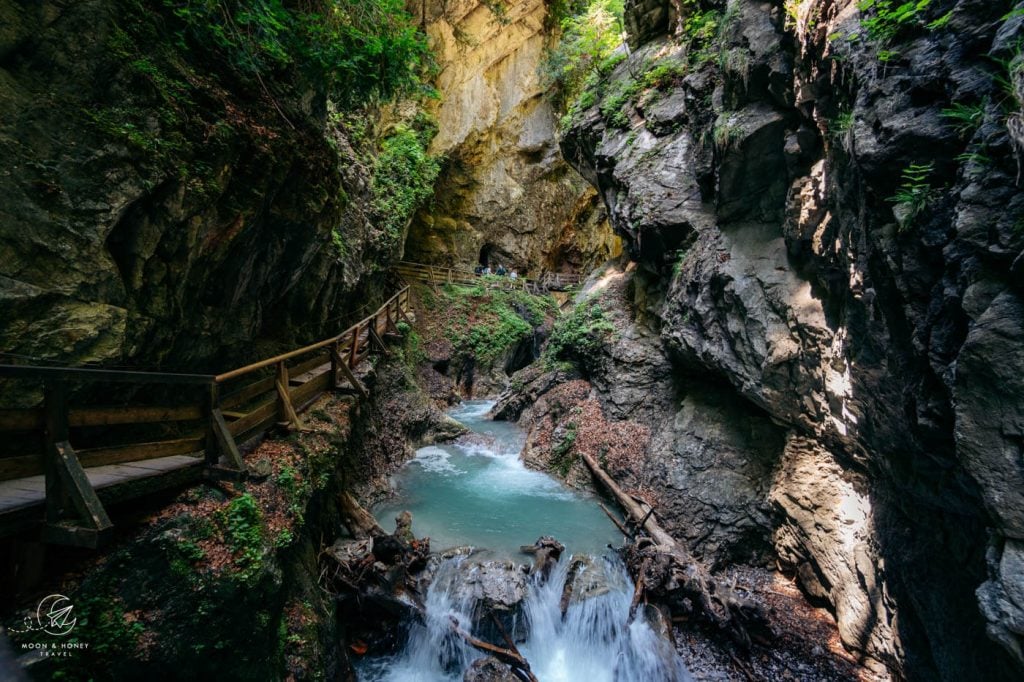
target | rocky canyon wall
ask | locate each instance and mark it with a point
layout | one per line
(505, 194)
(840, 340)
(158, 209)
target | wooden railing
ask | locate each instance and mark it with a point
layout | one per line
(436, 274)
(215, 413)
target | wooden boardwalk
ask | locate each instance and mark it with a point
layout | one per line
(60, 464)
(436, 274)
(31, 491)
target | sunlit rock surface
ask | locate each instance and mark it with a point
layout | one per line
(505, 194)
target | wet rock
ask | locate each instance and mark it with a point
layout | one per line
(489, 670)
(862, 357)
(546, 553)
(497, 587)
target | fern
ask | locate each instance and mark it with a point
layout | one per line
(965, 118)
(914, 193)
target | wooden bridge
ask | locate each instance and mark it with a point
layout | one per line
(138, 448)
(436, 274)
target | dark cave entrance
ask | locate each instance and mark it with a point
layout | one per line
(486, 253)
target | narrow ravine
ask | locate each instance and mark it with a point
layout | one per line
(476, 491)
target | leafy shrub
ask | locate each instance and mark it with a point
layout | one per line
(579, 336)
(591, 32)
(891, 17)
(483, 322)
(657, 75)
(403, 178)
(358, 48)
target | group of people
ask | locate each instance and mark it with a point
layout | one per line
(499, 271)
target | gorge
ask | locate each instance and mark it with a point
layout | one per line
(797, 337)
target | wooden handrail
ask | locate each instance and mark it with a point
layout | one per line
(112, 375)
(221, 378)
(430, 273)
(292, 388)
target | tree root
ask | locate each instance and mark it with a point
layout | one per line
(666, 571)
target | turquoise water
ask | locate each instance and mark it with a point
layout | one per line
(477, 492)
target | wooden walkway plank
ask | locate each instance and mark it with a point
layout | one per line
(66, 481)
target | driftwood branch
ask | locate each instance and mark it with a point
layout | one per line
(506, 656)
(666, 568)
(618, 524)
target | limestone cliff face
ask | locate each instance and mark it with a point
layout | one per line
(760, 193)
(505, 191)
(154, 210)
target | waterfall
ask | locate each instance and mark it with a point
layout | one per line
(594, 643)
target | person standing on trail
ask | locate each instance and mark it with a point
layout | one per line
(500, 272)
(487, 270)
(513, 274)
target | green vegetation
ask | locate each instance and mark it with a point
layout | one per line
(483, 322)
(889, 17)
(965, 118)
(403, 177)
(242, 521)
(359, 49)
(591, 32)
(338, 241)
(105, 628)
(702, 31)
(578, 336)
(726, 132)
(657, 76)
(841, 125)
(914, 194)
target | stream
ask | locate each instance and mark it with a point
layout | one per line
(478, 492)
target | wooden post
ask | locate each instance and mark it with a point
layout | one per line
(212, 406)
(356, 384)
(376, 340)
(56, 408)
(226, 442)
(66, 482)
(353, 352)
(336, 363)
(284, 401)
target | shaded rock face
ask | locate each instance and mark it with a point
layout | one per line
(160, 212)
(505, 195)
(688, 445)
(882, 339)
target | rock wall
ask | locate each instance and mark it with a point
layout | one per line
(159, 210)
(758, 189)
(505, 192)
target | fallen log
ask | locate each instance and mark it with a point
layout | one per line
(360, 523)
(618, 524)
(668, 570)
(507, 656)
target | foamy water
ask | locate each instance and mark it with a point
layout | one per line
(478, 492)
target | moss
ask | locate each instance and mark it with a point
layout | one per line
(242, 520)
(484, 322)
(578, 337)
